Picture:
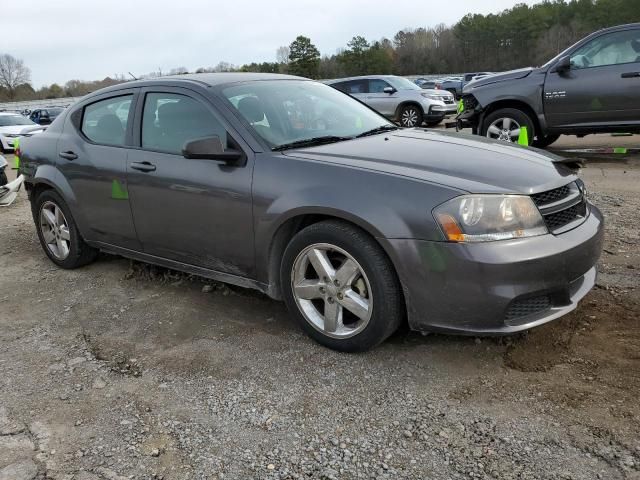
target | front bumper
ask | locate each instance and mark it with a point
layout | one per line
(500, 287)
(7, 142)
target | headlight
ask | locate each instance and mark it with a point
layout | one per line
(431, 96)
(583, 189)
(485, 218)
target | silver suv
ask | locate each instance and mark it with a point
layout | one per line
(399, 99)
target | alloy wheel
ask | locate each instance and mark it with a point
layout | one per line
(331, 290)
(409, 117)
(55, 230)
(504, 129)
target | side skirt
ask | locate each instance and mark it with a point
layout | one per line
(183, 267)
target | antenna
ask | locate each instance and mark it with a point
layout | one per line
(133, 76)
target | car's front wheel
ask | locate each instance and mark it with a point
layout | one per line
(411, 116)
(58, 233)
(506, 125)
(341, 287)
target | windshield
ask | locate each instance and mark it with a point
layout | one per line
(12, 120)
(287, 111)
(401, 83)
(54, 112)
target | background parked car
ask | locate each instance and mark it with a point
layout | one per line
(13, 125)
(425, 83)
(399, 99)
(591, 87)
(44, 116)
(455, 85)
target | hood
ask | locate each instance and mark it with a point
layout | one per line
(15, 129)
(465, 162)
(499, 77)
(33, 129)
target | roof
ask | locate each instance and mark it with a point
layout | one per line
(213, 79)
(207, 79)
(359, 78)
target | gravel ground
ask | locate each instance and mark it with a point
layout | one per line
(119, 371)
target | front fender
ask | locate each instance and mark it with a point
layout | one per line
(386, 206)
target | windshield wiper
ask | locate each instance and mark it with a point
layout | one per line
(310, 142)
(380, 129)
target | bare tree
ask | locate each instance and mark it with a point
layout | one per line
(13, 73)
(282, 54)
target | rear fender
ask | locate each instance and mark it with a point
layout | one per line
(50, 176)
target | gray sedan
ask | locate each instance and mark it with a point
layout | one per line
(290, 187)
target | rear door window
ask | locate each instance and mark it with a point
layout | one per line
(106, 121)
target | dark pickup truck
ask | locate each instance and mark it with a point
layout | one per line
(591, 87)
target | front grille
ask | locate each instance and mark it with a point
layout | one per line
(559, 219)
(561, 206)
(551, 196)
(529, 306)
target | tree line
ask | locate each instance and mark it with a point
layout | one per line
(518, 37)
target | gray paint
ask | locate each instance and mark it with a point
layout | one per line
(226, 222)
(596, 99)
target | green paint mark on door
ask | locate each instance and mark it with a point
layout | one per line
(118, 191)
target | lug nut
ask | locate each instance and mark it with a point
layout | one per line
(330, 300)
(340, 296)
(336, 283)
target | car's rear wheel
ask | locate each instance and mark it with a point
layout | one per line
(341, 287)
(545, 141)
(411, 116)
(58, 233)
(506, 125)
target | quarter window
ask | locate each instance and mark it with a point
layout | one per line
(106, 121)
(170, 120)
(609, 49)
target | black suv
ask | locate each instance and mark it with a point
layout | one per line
(592, 87)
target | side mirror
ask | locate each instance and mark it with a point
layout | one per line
(209, 148)
(562, 65)
(389, 90)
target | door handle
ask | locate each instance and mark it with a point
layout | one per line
(143, 166)
(630, 75)
(68, 155)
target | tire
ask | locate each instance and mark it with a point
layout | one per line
(410, 116)
(545, 141)
(3, 178)
(514, 117)
(78, 253)
(376, 282)
(434, 123)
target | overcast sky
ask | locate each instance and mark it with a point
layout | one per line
(62, 40)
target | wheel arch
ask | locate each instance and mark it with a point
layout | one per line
(406, 103)
(515, 104)
(48, 177)
(294, 223)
